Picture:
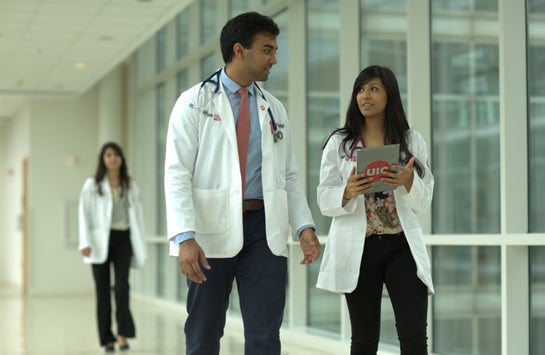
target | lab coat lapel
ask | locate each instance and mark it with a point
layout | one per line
(262, 109)
(223, 108)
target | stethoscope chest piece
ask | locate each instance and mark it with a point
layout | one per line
(278, 135)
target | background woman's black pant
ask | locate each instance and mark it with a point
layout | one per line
(119, 254)
(388, 260)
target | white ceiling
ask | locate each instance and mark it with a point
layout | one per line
(43, 41)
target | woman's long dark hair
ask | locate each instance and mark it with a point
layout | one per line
(396, 124)
(124, 177)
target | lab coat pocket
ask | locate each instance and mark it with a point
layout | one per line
(211, 211)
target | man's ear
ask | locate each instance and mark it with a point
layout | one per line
(238, 50)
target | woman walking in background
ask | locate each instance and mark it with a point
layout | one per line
(375, 238)
(111, 232)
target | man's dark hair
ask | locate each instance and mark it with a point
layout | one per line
(243, 29)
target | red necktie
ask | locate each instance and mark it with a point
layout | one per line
(243, 133)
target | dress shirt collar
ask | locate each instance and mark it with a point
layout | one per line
(232, 86)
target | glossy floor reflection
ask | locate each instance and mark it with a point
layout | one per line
(62, 325)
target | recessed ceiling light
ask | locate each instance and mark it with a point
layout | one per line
(79, 65)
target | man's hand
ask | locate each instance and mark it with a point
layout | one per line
(191, 258)
(309, 245)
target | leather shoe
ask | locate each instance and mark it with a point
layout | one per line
(109, 348)
(124, 347)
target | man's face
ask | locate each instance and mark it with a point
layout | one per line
(260, 58)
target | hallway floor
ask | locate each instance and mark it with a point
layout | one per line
(63, 325)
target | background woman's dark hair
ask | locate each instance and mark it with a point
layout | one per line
(396, 124)
(242, 29)
(101, 167)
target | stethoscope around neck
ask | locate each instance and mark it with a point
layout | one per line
(214, 79)
(355, 145)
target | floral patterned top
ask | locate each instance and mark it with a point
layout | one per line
(381, 214)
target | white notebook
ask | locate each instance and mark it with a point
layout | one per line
(374, 161)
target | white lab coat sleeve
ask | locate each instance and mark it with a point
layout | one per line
(85, 211)
(332, 182)
(420, 196)
(139, 211)
(181, 151)
(298, 209)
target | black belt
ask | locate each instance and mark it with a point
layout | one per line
(386, 235)
(252, 205)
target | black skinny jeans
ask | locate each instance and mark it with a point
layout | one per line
(119, 254)
(388, 260)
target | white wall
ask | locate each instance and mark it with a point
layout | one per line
(13, 149)
(3, 190)
(63, 153)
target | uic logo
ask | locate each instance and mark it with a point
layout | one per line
(377, 169)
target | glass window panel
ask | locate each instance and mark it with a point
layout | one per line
(183, 28)
(536, 6)
(467, 303)
(537, 300)
(391, 53)
(237, 7)
(322, 65)
(323, 91)
(385, 45)
(465, 142)
(388, 332)
(486, 5)
(536, 147)
(208, 66)
(277, 83)
(234, 300)
(536, 114)
(161, 119)
(161, 252)
(182, 82)
(160, 50)
(208, 20)
(466, 5)
(401, 4)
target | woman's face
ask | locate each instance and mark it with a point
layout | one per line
(112, 160)
(372, 99)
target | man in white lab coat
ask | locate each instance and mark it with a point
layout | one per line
(229, 218)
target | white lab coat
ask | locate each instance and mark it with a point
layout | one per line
(339, 271)
(95, 219)
(202, 174)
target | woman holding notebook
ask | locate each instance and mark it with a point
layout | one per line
(375, 238)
